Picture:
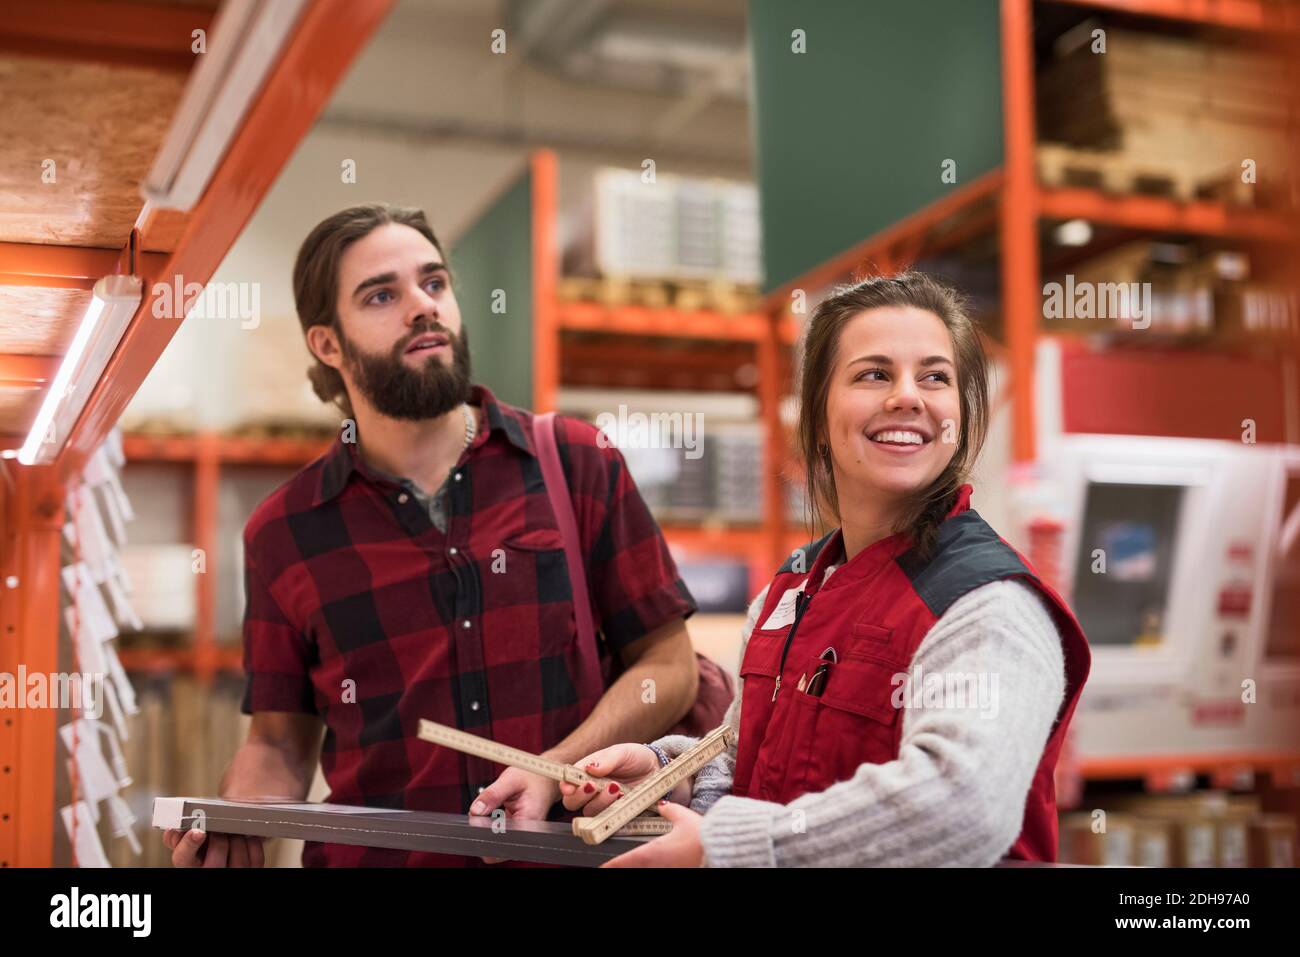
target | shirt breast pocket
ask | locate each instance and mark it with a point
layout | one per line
(528, 597)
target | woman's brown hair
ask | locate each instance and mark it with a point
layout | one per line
(925, 511)
(316, 278)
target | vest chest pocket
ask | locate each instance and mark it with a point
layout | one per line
(853, 722)
(869, 640)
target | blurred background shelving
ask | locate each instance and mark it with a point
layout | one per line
(593, 282)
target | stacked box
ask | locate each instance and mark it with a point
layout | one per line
(1082, 843)
(738, 470)
(675, 228)
(1182, 102)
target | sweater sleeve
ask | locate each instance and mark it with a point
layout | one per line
(956, 793)
(714, 779)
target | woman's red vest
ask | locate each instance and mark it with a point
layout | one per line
(874, 611)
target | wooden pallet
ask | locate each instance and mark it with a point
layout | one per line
(1113, 172)
(685, 295)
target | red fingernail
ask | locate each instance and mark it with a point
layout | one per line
(662, 802)
(589, 788)
(613, 789)
(592, 764)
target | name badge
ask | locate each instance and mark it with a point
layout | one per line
(783, 614)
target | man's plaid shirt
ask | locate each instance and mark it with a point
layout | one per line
(361, 611)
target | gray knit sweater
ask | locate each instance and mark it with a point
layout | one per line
(955, 796)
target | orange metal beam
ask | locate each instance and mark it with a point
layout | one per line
(1164, 766)
(1021, 302)
(207, 477)
(674, 323)
(110, 31)
(29, 633)
(1250, 15)
(73, 267)
(880, 246)
(546, 279)
(20, 371)
(1159, 214)
(229, 449)
(771, 387)
(329, 36)
(228, 658)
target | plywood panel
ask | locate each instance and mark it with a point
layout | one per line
(100, 124)
(39, 322)
(18, 408)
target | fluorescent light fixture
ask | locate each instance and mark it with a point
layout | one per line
(1075, 232)
(245, 42)
(115, 301)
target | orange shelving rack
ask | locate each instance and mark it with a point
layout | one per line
(1011, 202)
(163, 246)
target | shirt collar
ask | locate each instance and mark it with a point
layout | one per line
(501, 419)
(873, 556)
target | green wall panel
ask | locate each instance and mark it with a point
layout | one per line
(496, 253)
(851, 134)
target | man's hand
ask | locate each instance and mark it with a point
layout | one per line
(275, 763)
(680, 847)
(521, 794)
(194, 848)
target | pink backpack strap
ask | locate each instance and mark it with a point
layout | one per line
(557, 490)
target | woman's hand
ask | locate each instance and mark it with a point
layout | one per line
(626, 765)
(680, 847)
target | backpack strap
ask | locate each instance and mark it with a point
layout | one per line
(557, 490)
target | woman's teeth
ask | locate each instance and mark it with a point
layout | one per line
(901, 438)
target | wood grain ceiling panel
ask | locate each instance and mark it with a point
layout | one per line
(18, 408)
(101, 125)
(39, 322)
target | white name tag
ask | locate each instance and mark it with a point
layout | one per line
(783, 613)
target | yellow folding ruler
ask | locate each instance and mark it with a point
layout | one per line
(594, 830)
(503, 754)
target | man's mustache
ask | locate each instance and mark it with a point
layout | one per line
(424, 330)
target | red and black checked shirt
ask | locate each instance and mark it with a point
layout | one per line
(361, 611)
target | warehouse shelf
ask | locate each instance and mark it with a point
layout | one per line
(1022, 202)
(208, 453)
(226, 449)
(1020, 206)
(1163, 772)
(662, 321)
(220, 658)
(1254, 16)
(557, 322)
(303, 72)
(1160, 214)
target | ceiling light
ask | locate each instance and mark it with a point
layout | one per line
(115, 301)
(246, 39)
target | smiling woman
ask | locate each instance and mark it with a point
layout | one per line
(893, 405)
(825, 770)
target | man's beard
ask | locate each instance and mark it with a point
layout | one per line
(400, 392)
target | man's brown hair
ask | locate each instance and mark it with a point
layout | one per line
(316, 278)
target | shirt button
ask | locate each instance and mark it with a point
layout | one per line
(403, 498)
(473, 706)
(456, 477)
(452, 550)
(465, 623)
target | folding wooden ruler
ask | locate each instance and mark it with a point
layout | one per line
(463, 741)
(594, 830)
